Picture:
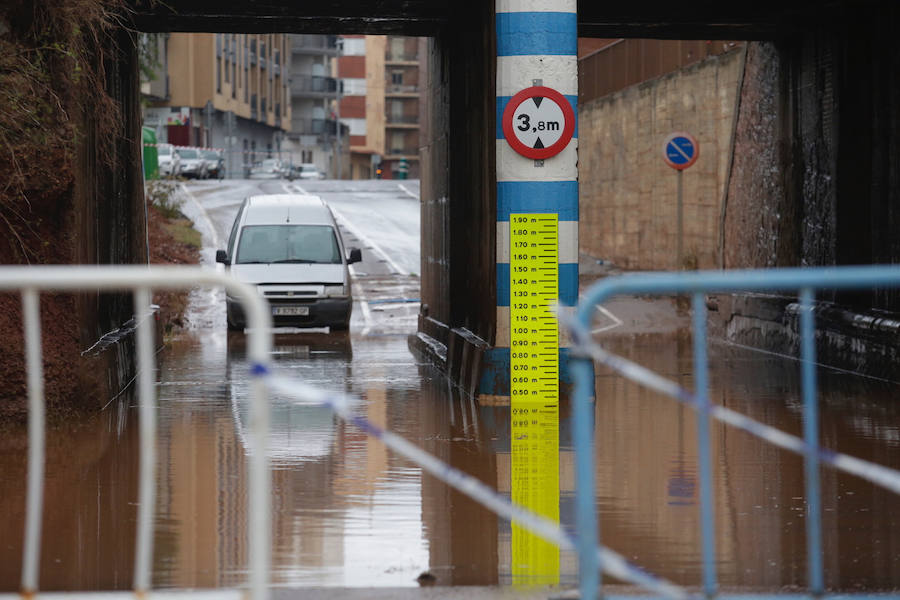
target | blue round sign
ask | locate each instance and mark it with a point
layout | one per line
(681, 150)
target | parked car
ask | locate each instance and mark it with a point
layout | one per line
(289, 246)
(308, 171)
(270, 168)
(169, 160)
(215, 163)
(192, 163)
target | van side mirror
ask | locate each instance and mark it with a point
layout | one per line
(222, 257)
(355, 256)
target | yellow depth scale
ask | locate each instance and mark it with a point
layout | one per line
(534, 389)
(533, 288)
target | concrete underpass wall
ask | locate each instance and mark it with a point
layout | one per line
(628, 194)
(816, 176)
(457, 318)
(816, 181)
(109, 214)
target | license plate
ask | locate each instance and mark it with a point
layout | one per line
(290, 311)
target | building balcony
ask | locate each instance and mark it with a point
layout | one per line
(394, 58)
(318, 127)
(402, 121)
(398, 153)
(314, 86)
(314, 44)
(401, 90)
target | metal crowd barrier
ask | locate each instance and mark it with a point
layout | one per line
(140, 280)
(592, 557)
(804, 280)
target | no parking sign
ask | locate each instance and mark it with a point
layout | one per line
(681, 150)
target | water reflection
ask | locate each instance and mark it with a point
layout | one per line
(647, 463)
(535, 485)
(346, 512)
(89, 510)
(298, 432)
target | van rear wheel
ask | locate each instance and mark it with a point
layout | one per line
(233, 324)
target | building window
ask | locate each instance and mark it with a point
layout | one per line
(246, 85)
(219, 75)
(397, 77)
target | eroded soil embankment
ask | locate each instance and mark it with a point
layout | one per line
(61, 135)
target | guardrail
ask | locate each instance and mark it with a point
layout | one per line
(140, 280)
(804, 280)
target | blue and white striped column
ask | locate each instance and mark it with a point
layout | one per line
(536, 45)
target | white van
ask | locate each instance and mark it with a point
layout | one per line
(290, 247)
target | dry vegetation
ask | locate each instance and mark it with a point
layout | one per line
(51, 74)
(53, 101)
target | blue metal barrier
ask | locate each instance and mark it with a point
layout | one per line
(804, 280)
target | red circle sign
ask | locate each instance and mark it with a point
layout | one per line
(538, 122)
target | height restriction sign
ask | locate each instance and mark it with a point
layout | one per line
(538, 122)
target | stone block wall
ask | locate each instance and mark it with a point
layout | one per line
(628, 195)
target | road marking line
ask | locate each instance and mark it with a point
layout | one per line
(617, 322)
(211, 229)
(296, 189)
(407, 192)
(363, 302)
(367, 241)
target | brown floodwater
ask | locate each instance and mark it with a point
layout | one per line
(347, 512)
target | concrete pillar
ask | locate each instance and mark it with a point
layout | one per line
(536, 45)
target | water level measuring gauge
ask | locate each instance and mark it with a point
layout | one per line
(534, 289)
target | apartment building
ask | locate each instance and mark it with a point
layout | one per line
(380, 103)
(403, 65)
(314, 95)
(225, 91)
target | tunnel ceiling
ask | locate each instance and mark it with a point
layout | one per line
(694, 19)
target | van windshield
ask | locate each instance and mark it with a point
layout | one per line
(288, 244)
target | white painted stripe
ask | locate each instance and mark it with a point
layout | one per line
(568, 241)
(407, 192)
(201, 219)
(515, 73)
(360, 297)
(345, 222)
(616, 321)
(505, 6)
(502, 338)
(512, 166)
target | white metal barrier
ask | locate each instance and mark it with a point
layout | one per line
(141, 280)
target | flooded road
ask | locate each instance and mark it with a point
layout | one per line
(348, 513)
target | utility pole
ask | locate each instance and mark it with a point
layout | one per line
(337, 112)
(229, 128)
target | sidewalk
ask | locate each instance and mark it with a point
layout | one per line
(629, 315)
